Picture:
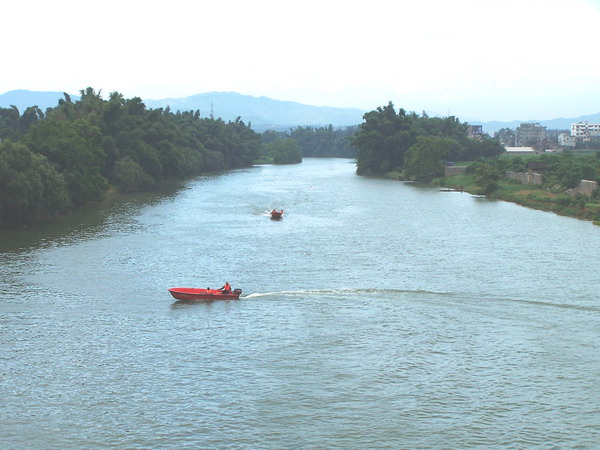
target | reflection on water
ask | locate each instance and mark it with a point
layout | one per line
(375, 314)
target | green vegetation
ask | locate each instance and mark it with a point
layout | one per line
(485, 176)
(567, 169)
(77, 151)
(281, 151)
(564, 172)
(413, 145)
(407, 146)
(30, 187)
(424, 159)
(323, 142)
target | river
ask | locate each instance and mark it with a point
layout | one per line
(375, 314)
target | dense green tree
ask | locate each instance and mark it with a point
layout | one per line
(385, 136)
(424, 160)
(271, 135)
(76, 150)
(9, 123)
(128, 176)
(382, 140)
(92, 142)
(485, 176)
(30, 117)
(567, 170)
(284, 151)
(442, 127)
(324, 141)
(473, 149)
(30, 188)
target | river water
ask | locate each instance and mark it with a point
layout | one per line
(376, 314)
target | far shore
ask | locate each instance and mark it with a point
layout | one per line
(577, 206)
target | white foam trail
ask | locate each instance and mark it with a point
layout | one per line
(354, 291)
(257, 294)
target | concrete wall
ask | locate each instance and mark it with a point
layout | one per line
(525, 178)
(585, 187)
(454, 170)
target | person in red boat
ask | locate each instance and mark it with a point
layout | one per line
(226, 288)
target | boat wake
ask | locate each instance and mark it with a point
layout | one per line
(353, 291)
(414, 295)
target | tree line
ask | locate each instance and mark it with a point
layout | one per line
(320, 142)
(75, 152)
(416, 146)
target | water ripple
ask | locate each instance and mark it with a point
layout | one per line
(443, 323)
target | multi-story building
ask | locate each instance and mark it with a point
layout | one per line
(566, 140)
(585, 130)
(529, 134)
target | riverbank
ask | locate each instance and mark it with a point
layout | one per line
(559, 202)
(578, 206)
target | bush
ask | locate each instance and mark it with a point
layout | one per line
(130, 177)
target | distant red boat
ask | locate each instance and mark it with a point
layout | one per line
(204, 294)
(276, 214)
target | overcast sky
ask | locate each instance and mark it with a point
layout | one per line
(475, 59)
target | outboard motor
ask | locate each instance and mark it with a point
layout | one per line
(237, 291)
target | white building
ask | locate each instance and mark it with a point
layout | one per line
(566, 140)
(513, 151)
(585, 130)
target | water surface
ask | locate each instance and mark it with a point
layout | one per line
(375, 314)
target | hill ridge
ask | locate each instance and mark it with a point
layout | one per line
(264, 112)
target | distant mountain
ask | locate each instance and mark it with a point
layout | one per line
(264, 113)
(23, 99)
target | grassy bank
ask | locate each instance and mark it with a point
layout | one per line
(578, 206)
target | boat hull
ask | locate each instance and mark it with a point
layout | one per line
(204, 294)
(276, 215)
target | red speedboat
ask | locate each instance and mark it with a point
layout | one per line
(276, 214)
(204, 294)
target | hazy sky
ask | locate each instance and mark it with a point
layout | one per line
(475, 59)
